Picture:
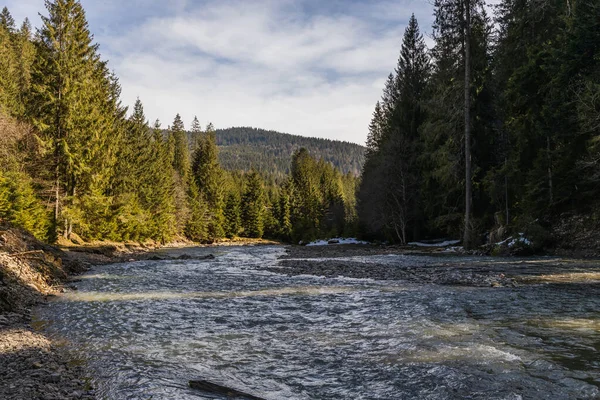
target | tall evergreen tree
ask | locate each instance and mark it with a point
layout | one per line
(253, 206)
(7, 21)
(72, 106)
(208, 176)
(233, 216)
(181, 153)
(390, 186)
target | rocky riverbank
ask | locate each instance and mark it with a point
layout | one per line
(32, 365)
(431, 266)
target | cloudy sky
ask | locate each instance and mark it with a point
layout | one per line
(306, 67)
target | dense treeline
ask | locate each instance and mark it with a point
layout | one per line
(495, 126)
(74, 164)
(270, 152)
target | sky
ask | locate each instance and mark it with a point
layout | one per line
(306, 67)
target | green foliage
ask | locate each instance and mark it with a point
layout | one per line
(270, 152)
(535, 109)
(318, 202)
(20, 205)
(253, 206)
(233, 216)
(388, 198)
(208, 176)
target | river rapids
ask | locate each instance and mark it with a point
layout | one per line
(145, 328)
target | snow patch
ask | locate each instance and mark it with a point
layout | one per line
(512, 242)
(522, 240)
(337, 241)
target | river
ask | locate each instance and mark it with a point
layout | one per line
(145, 328)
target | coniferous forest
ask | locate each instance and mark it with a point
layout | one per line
(74, 165)
(495, 128)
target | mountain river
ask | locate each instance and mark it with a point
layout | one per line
(145, 328)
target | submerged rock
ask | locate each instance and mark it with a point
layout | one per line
(215, 388)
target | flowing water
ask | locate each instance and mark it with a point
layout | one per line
(146, 328)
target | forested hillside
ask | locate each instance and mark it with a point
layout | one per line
(493, 130)
(270, 152)
(75, 165)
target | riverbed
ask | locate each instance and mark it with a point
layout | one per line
(331, 328)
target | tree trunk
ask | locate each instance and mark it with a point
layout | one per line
(506, 210)
(549, 156)
(468, 184)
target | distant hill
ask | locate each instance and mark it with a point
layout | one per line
(270, 152)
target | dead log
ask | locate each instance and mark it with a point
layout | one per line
(215, 388)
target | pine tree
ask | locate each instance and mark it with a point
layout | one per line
(9, 90)
(285, 214)
(25, 55)
(196, 133)
(390, 186)
(162, 187)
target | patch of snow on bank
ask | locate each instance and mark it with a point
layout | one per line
(520, 240)
(440, 244)
(337, 241)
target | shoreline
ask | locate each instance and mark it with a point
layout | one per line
(35, 365)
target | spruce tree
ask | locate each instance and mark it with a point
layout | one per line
(181, 153)
(253, 206)
(7, 21)
(208, 176)
(233, 217)
(73, 107)
(9, 90)
(388, 195)
(162, 187)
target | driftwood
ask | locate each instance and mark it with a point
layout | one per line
(222, 390)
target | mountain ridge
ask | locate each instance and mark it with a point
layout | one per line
(270, 152)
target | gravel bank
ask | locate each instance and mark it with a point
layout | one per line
(32, 366)
(431, 266)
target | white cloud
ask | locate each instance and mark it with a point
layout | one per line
(263, 63)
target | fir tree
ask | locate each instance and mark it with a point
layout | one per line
(181, 154)
(390, 187)
(208, 176)
(71, 106)
(233, 215)
(253, 206)
(7, 21)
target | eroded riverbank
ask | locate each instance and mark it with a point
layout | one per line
(241, 320)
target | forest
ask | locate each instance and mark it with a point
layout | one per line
(270, 152)
(75, 166)
(494, 129)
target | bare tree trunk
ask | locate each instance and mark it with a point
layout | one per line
(506, 193)
(468, 184)
(56, 197)
(549, 156)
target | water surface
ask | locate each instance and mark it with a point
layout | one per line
(146, 328)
